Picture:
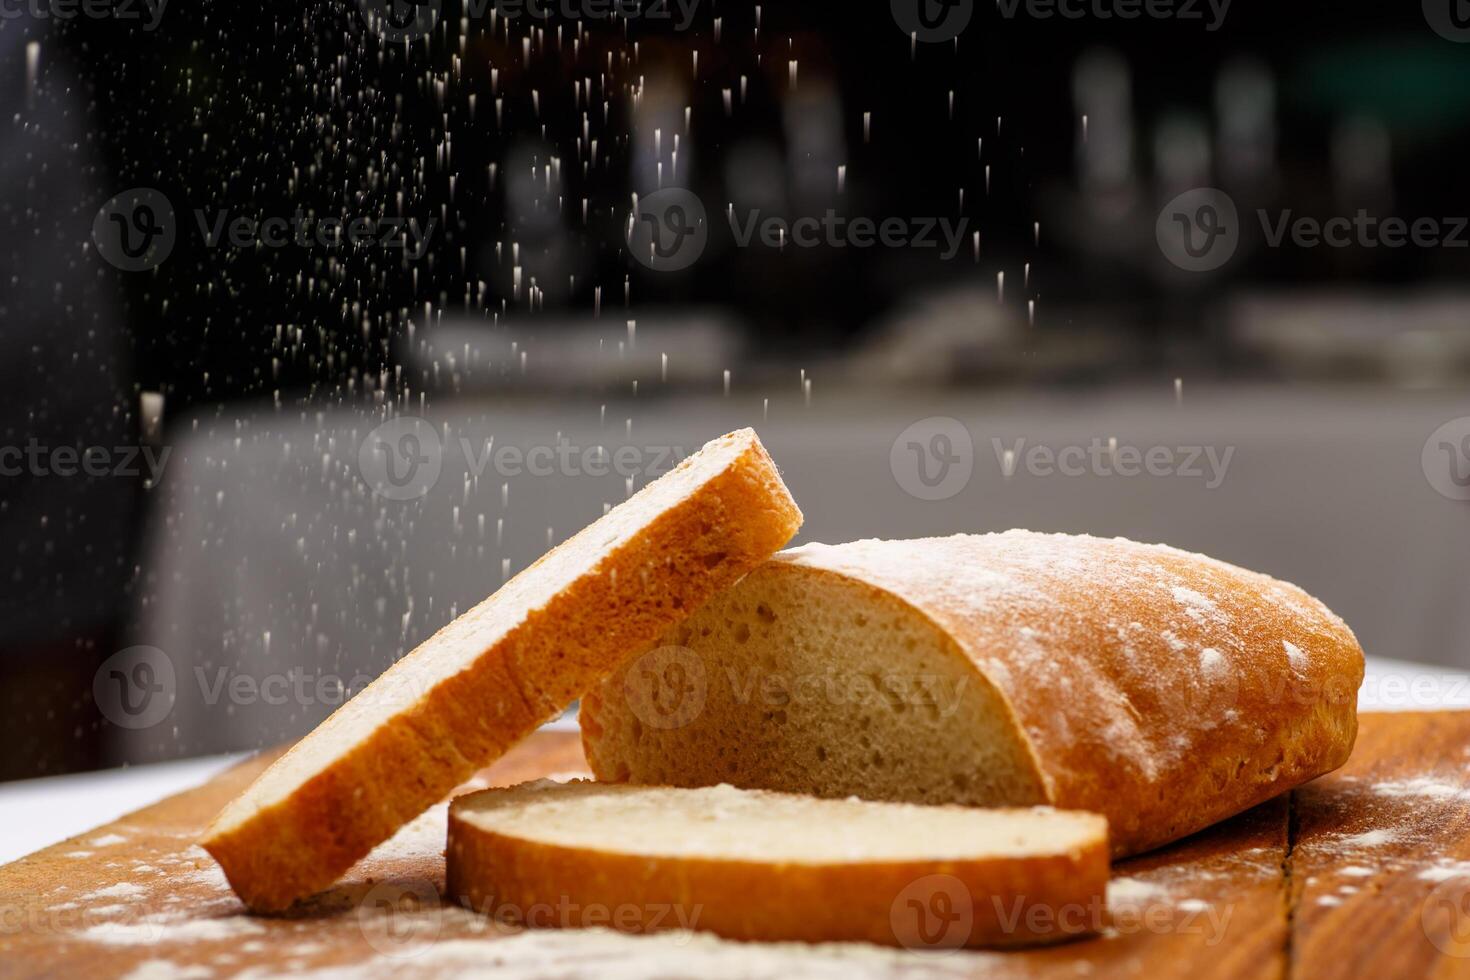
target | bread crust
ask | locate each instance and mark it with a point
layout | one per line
(999, 901)
(444, 729)
(1163, 689)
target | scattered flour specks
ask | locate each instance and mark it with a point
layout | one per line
(1132, 891)
(1175, 643)
(1211, 661)
(147, 933)
(1445, 870)
(123, 889)
(104, 910)
(1197, 607)
(1423, 786)
(107, 840)
(1294, 655)
(1370, 838)
(1357, 871)
(1329, 900)
(166, 970)
(544, 953)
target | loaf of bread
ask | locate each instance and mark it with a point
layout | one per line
(495, 674)
(1162, 689)
(754, 865)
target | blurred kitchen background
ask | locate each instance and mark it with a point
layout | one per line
(239, 561)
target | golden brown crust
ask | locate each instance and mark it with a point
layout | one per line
(1165, 690)
(457, 724)
(1125, 721)
(974, 903)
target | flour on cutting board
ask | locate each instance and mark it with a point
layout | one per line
(608, 955)
(1426, 787)
(1446, 869)
(1377, 837)
(151, 932)
(123, 889)
(166, 970)
(1134, 891)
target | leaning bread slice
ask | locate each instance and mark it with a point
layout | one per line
(754, 865)
(1163, 689)
(489, 678)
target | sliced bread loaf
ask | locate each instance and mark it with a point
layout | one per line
(747, 864)
(1163, 689)
(495, 674)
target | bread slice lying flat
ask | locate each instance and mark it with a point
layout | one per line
(1162, 689)
(753, 865)
(492, 676)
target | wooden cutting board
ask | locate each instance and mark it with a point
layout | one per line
(1365, 872)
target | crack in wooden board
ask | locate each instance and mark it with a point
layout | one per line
(137, 898)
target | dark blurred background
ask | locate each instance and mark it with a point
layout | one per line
(245, 540)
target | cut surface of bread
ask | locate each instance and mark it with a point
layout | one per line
(757, 865)
(492, 676)
(1163, 689)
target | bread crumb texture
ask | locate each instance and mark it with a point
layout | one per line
(1164, 689)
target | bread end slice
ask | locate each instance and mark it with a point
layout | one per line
(764, 866)
(1163, 689)
(491, 677)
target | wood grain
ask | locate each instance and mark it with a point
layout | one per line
(1381, 857)
(1362, 873)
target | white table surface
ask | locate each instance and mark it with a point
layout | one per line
(36, 813)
